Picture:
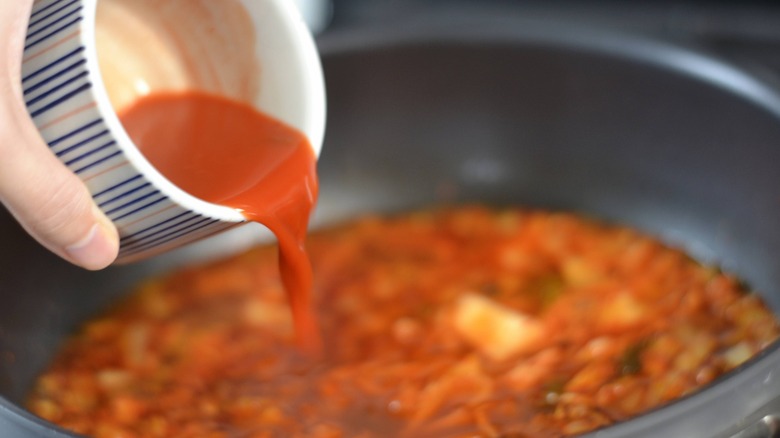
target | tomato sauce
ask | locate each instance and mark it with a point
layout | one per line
(228, 153)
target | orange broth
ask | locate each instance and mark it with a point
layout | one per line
(460, 322)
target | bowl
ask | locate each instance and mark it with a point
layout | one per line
(86, 60)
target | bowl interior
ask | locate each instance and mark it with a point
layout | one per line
(258, 52)
(145, 47)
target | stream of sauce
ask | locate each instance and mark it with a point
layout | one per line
(228, 153)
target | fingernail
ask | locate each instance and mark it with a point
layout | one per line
(96, 250)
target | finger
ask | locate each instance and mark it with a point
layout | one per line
(50, 202)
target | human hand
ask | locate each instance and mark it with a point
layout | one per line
(49, 201)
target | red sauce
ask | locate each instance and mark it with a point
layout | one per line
(228, 153)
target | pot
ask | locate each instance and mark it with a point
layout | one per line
(625, 128)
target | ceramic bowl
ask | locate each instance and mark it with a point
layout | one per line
(86, 60)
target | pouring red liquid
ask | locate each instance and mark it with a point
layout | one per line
(228, 153)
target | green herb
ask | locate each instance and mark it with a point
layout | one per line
(631, 360)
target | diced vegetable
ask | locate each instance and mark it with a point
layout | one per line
(497, 331)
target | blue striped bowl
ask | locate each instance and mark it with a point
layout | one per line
(66, 96)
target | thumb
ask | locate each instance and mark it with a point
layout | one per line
(49, 201)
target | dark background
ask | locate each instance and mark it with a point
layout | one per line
(747, 32)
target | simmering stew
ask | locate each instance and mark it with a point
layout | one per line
(453, 322)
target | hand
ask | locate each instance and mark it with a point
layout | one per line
(50, 202)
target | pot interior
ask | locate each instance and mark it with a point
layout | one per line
(511, 120)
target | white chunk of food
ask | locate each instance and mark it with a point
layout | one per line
(498, 331)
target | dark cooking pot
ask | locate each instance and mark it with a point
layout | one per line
(623, 128)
